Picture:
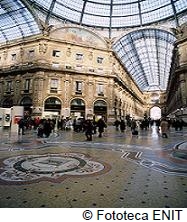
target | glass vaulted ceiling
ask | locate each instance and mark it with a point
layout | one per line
(147, 54)
(16, 21)
(112, 13)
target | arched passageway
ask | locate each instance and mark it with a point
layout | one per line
(77, 108)
(52, 107)
(100, 109)
(155, 112)
(26, 102)
(7, 103)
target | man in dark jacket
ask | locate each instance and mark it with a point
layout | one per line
(101, 125)
(21, 126)
(88, 129)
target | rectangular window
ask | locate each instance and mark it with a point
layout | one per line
(100, 89)
(78, 87)
(55, 65)
(100, 70)
(27, 85)
(79, 56)
(31, 54)
(68, 67)
(13, 57)
(8, 86)
(54, 86)
(91, 70)
(79, 67)
(56, 53)
(99, 60)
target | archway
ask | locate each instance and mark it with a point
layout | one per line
(26, 102)
(100, 109)
(52, 107)
(155, 112)
(7, 103)
(77, 108)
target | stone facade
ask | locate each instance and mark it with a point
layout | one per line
(71, 71)
(177, 87)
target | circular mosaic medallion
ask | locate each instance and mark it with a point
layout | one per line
(180, 151)
(51, 166)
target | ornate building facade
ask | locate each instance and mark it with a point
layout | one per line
(68, 71)
(177, 87)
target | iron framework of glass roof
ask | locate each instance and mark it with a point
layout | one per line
(16, 21)
(147, 54)
(112, 13)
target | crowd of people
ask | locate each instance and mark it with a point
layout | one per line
(45, 126)
(90, 127)
(163, 125)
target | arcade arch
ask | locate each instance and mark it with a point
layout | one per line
(155, 112)
(26, 102)
(77, 108)
(52, 107)
(100, 109)
(7, 103)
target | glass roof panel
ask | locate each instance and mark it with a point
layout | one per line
(67, 13)
(131, 20)
(180, 5)
(148, 54)
(97, 9)
(113, 13)
(125, 10)
(16, 21)
(158, 14)
(46, 4)
(150, 5)
(92, 20)
(71, 5)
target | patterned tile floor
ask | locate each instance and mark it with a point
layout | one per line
(117, 170)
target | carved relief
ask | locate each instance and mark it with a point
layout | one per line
(5, 54)
(90, 56)
(46, 29)
(21, 52)
(68, 52)
(43, 48)
(180, 31)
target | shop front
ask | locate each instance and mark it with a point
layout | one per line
(77, 108)
(52, 108)
(100, 109)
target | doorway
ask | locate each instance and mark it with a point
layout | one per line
(155, 113)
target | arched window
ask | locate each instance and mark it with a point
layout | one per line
(52, 104)
(7, 103)
(26, 101)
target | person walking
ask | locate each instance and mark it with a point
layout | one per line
(88, 129)
(117, 124)
(122, 126)
(47, 127)
(164, 128)
(134, 127)
(101, 125)
(21, 126)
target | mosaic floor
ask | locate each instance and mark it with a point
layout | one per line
(117, 170)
